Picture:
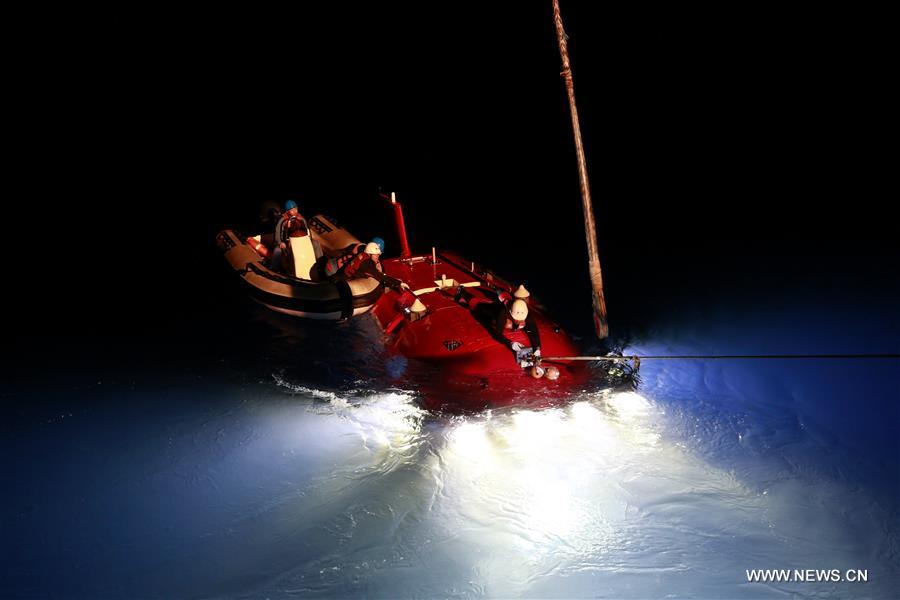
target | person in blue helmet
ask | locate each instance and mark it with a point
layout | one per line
(360, 260)
(328, 268)
(290, 224)
(367, 263)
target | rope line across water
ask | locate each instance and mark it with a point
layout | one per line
(720, 357)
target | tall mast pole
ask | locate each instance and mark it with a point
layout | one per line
(590, 230)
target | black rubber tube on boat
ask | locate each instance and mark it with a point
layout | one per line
(346, 296)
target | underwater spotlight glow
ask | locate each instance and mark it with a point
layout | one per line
(521, 499)
(384, 421)
(540, 485)
(630, 406)
(571, 480)
(544, 467)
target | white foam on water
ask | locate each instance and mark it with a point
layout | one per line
(588, 499)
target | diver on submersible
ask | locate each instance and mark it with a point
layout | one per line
(520, 319)
(511, 322)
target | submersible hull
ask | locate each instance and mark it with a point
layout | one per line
(470, 366)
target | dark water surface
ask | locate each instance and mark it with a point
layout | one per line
(242, 454)
(161, 436)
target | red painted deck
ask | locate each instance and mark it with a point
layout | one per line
(471, 367)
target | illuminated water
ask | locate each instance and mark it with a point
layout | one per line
(261, 480)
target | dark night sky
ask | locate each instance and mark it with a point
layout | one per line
(703, 131)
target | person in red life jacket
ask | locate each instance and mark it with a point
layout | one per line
(291, 224)
(365, 264)
(327, 268)
(511, 322)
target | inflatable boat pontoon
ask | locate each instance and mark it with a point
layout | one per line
(300, 293)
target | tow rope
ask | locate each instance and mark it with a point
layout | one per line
(637, 359)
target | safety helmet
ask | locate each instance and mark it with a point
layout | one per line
(372, 248)
(289, 205)
(380, 242)
(519, 310)
(521, 292)
(417, 306)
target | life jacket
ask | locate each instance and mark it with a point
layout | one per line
(513, 325)
(517, 335)
(290, 225)
(296, 226)
(514, 331)
(354, 264)
(334, 265)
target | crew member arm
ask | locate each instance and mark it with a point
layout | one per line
(370, 270)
